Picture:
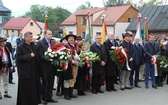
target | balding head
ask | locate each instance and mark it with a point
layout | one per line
(3, 36)
(137, 40)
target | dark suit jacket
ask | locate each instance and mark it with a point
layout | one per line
(45, 65)
(139, 55)
(9, 46)
(130, 51)
(18, 41)
(24, 60)
(96, 67)
(149, 51)
(110, 67)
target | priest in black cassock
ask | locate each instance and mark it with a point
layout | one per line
(28, 81)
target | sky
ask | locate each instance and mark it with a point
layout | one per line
(20, 7)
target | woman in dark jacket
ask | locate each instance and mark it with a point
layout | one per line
(80, 84)
(161, 73)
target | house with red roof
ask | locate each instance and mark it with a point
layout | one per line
(117, 19)
(21, 25)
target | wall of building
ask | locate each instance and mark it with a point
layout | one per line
(120, 28)
(130, 13)
(9, 32)
(35, 29)
(70, 29)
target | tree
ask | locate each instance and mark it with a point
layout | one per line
(7, 18)
(55, 15)
(87, 5)
(110, 3)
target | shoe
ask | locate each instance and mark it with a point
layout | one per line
(114, 89)
(66, 94)
(100, 91)
(147, 87)
(137, 86)
(7, 96)
(52, 100)
(122, 88)
(0, 96)
(71, 93)
(128, 88)
(108, 90)
(58, 94)
(11, 83)
(116, 82)
(44, 102)
(54, 88)
(81, 93)
(94, 91)
(154, 86)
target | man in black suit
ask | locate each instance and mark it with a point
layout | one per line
(151, 49)
(138, 61)
(125, 72)
(110, 67)
(48, 70)
(20, 39)
(29, 80)
(98, 67)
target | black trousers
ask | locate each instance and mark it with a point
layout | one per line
(136, 71)
(110, 82)
(96, 81)
(47, 85)
(60, 81)
(10, 77)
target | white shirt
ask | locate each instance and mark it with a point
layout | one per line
(4, 56)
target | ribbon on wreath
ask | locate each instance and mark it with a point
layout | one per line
(123, 51)
(87, 61)
(64, 65)
(153, 61)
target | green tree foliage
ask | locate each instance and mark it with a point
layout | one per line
(55, 15)
(7, 18)
(110, 3)
(87, 5)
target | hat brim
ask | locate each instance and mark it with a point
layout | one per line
(62, 39)
(67, 36)
(1, 40)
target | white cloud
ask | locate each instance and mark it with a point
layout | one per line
(20, 7)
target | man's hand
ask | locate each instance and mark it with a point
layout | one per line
(32, 55)
(103, 63)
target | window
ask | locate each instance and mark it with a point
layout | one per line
(129, 19)
(31, 23)
(83, 20)
(99, 33)
(83, 35)
(70, 32)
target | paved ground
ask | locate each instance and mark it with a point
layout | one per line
(136, 96)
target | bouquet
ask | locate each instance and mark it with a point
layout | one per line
(58, 54)
(161, 62)
(87, 57)
(118, 57)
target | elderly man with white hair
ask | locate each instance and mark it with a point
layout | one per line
(138, 61)
(110, 67)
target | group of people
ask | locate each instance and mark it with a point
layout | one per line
(36, 74)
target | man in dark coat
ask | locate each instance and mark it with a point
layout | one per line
(72, 71)
(125, 72)
(151, 49)
(27, 66)
(98, 67)
(20, 39)
(138, 61)
(47, 69)
(110, 67)
(5, 66)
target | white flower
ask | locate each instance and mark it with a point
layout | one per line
(46, 53)
(51, 59)
(65, 57)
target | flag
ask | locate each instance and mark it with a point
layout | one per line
(46, 24)
(88, 28)
(103, 33)
(138, 32)
(64, 32)
(145, 34)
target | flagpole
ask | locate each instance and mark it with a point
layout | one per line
(147, 35)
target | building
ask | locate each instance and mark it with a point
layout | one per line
(117, 20)
(21, 25)
(157, 20)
